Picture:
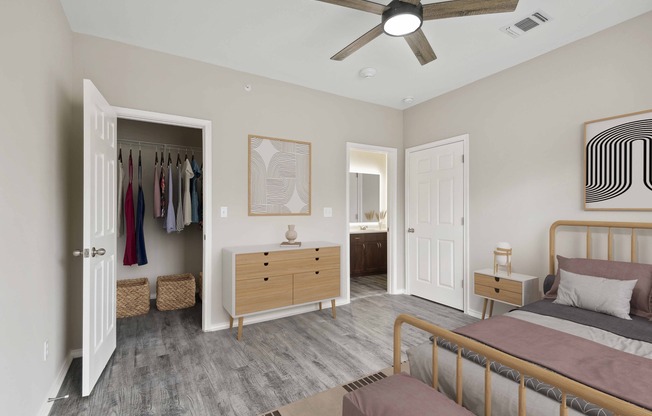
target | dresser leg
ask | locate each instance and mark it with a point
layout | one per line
(491, 307)
(333, 308)
(240, 320)
(230, 322)
(484, 308)
(320, 306)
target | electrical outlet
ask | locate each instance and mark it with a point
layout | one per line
(46, 350)
(328, 212)
(223, 212)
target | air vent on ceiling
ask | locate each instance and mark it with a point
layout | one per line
(534, 20)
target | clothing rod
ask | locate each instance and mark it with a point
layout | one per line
(158, 145)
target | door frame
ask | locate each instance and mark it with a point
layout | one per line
(206, 127)
(392, 216)
(464, 138)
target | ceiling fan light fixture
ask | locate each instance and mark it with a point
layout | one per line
(401, 18)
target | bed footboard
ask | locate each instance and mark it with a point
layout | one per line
(566, 385)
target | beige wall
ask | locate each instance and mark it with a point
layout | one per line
(35, 125)
(143, 79)
(526, 137)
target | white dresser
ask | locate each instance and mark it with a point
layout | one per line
(268, 277)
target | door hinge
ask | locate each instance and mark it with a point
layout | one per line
(462, 220)
(462, 158)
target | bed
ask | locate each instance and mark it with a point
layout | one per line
(577, 354)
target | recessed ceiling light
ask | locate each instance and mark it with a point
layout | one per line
(408, 100)
(368, 72)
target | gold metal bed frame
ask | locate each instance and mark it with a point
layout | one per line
(566, 385)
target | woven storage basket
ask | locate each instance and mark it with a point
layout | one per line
(132, 297)
(176, 291)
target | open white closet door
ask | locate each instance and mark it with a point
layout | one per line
(99, 252)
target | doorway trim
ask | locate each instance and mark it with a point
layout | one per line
(392, 216)
(206, 127)
(464, 138)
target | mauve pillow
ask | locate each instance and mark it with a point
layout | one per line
(641, 303)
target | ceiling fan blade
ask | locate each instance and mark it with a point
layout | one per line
(364, 5)
(421, 47)
(358, 43)
(457, 8)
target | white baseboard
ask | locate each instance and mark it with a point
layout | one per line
(284, 313)
(58, 381)
(474, 313)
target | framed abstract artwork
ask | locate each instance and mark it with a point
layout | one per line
(279, 176)
(618, 163)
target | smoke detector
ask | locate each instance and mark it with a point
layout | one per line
(532, 21)
(408, 100)
(368, 72)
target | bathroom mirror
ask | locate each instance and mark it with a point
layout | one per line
(364, 197)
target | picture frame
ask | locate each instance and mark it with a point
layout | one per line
(280, 177)
(618, 163)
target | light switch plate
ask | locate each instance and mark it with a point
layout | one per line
(223, 212)
(328, 212)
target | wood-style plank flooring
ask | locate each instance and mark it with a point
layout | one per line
(165, 365)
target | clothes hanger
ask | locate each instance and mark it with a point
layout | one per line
(162, 157)
(193, 155)
(120, 155)
(169, 159)
(156, 157)
(139, 158)
(178, 159)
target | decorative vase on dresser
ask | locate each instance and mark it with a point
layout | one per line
(290, 234)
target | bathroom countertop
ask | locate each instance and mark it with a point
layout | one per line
(367, 231)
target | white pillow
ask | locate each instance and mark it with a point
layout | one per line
(608, 296)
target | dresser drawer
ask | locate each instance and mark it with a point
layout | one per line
(273, 268)
(263, 293)
(317, 285)
(498, 294)
(498, 282)
(286, 254)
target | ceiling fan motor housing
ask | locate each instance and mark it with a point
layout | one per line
(398, 8)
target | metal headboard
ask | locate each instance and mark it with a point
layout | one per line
(632, 226)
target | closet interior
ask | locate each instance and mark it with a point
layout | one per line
(171, 247)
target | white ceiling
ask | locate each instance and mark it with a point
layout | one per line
(292, 40)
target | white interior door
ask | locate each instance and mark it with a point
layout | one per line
(99, 333)
(435, 243)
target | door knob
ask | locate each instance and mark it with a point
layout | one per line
(98, 252)
(77, 253)
(410, 230)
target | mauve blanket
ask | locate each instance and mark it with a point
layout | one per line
(620, 374)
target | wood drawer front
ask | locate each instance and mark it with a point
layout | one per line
(498, 294)
(289, 254)
(274, 268)
(314, 286)
(263, 293)
(499, 283)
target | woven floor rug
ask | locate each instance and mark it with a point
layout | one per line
(329, 402)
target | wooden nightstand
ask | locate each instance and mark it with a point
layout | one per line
(517, 289)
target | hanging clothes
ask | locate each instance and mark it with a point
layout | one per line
(162, 194)
(170, 222)
(130, 256)
(187, 204)
(157, 189)
(194, 195)
(180, 221)
(121, 197)
(141, 252)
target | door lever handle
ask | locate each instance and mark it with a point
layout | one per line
(410, 230)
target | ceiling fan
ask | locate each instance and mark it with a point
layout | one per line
(403, 18)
